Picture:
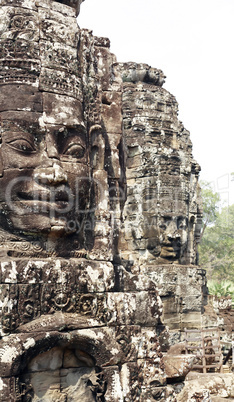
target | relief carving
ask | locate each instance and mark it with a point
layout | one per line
(98, 192)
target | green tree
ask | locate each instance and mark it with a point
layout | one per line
(210, 201)
(217, 246)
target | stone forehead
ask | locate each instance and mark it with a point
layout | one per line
(55, 110)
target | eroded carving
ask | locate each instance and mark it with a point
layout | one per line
(98, 191)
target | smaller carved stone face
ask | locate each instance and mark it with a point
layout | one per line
(173, 232)
(45, 173)
(168, 239)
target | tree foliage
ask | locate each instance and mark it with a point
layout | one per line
(210, 201)
(217, 246)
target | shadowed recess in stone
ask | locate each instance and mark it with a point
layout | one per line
(61, 373)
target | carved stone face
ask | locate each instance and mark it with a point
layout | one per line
(44, 184)
(168, 239)
(173, 237)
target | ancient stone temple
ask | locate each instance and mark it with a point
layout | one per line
(99, 208)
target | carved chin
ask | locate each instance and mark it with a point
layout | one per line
(40, 224)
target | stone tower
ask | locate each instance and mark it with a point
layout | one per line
(98, 198)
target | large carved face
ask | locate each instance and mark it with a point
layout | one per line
(168, 238)
(44, 183)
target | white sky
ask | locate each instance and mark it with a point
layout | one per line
(192, 42)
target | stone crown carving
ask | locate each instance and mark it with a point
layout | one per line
(72, 3)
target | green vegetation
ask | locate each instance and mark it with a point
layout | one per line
(210, 201)
(221, 289)
(217, 239)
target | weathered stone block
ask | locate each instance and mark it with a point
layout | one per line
(111, 109)
(27, 96)
(54, 27)
(191, 320)
(59, 109)
(21, 25)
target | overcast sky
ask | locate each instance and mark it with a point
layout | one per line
(192, 42)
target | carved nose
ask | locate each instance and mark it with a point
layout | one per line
(171, 231)
(50, 172)
(51, 148)
(53, 175)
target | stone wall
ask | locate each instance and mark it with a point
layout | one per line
(64, 323)
(183, 292)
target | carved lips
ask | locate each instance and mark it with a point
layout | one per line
(57, 199)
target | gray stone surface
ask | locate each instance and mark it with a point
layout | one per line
(99, 215)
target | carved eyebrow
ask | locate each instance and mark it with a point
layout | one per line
(11, 136)
(19, 127)
(80, 129)
(75, 134)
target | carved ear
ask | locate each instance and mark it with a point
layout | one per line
(97, 147)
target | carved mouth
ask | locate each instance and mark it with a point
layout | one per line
(49, 196)
(168, 248)
(172, 245)
(169, 252)
(45, 200)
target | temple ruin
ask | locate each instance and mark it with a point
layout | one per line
(100, 216)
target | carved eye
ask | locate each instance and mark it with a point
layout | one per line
(75, 150)
(182, 224)
(22, 145)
